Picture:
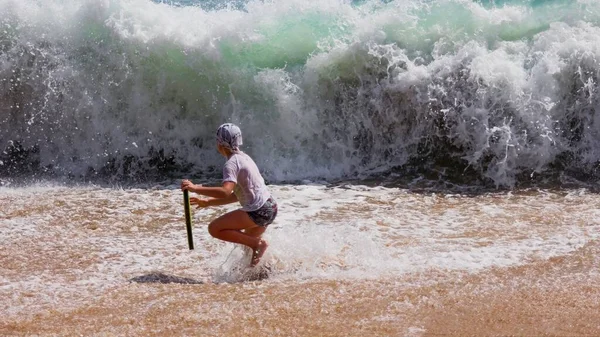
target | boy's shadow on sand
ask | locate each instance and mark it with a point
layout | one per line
(157, 277)
(164, 279)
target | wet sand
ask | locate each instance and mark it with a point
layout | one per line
(71, 268)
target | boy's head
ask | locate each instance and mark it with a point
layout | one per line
(229, 136)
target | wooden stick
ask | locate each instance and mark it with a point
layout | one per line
(188, 218)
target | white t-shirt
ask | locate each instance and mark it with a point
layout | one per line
(250, 188)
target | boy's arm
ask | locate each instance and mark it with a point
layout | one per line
(216, 192)
(223, 201)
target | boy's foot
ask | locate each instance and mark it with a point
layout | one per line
(259, 252)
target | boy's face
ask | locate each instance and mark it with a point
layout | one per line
(221, 149)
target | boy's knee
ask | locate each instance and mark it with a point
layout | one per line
(213, 230)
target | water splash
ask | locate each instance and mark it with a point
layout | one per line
(486, 91)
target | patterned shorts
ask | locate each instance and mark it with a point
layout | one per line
(265, 215)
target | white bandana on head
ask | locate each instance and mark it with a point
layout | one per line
(229, 136)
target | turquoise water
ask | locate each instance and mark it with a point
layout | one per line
(497, 92)
(216, 4)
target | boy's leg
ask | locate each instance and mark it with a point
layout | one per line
(262, 245)
(255, 231)
(228, 227)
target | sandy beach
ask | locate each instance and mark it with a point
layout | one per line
(345, 261)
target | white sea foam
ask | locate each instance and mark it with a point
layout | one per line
(102, 237)
(322, 89)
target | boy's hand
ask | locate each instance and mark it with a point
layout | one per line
(201, 203)
(188, 185)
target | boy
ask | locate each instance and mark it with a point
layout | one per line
(242, 182)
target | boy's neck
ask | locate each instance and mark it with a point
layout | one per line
(230, 153)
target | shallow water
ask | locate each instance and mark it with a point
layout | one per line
(349, 260)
